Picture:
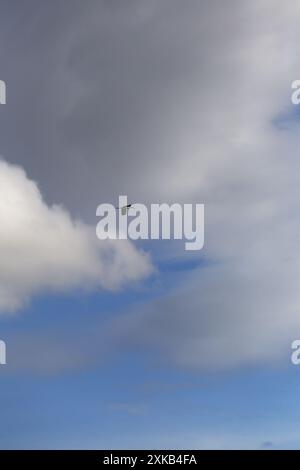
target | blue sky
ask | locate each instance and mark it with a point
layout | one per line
(131, 401)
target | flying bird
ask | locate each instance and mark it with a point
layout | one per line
(124, 209)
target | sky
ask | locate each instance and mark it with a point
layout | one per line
(121, 344)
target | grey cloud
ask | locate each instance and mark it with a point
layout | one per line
(173, 100)
(103, 88)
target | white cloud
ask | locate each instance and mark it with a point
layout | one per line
(42, 248)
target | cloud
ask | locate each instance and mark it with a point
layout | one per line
(227, 151)
(267, 445)
(178, 103)
(42, 249)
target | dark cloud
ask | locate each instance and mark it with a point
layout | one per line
(94, 90)
(174, 101)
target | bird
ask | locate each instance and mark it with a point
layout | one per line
(124, 209)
